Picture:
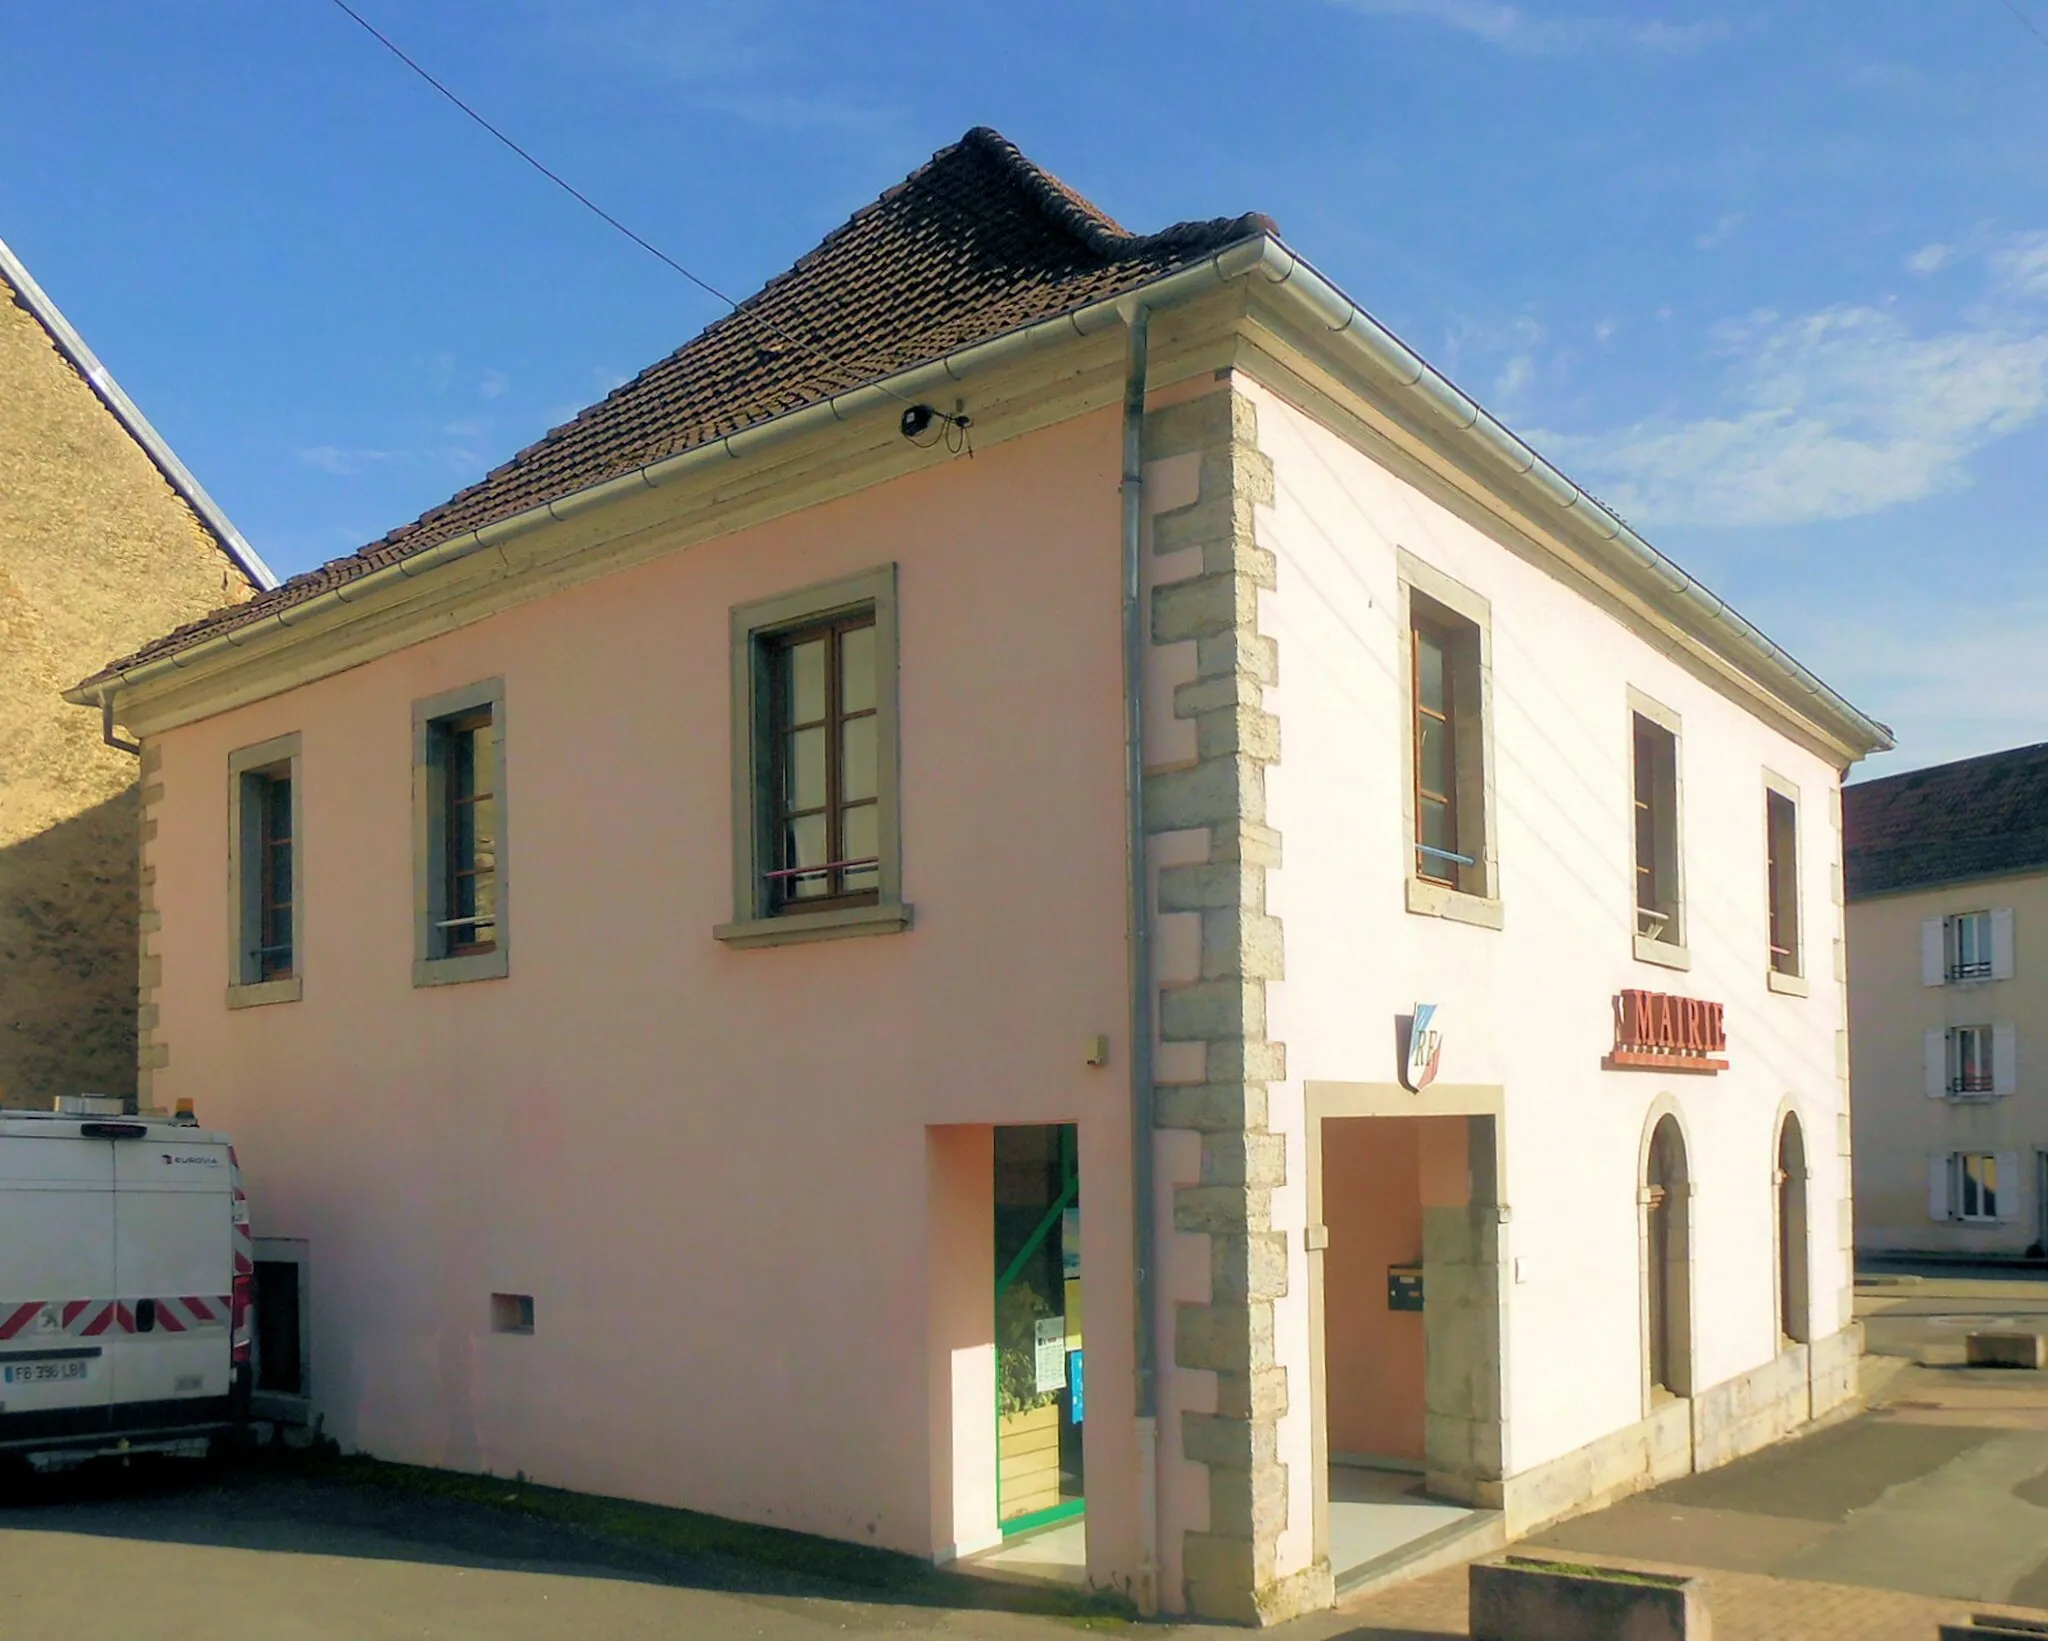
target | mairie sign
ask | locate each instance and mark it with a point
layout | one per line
(1654, 1031)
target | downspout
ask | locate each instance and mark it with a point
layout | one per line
(1144, 1289)
(107, 726)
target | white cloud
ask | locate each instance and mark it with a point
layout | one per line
(342, 463)
(2022, 264)
(494, 384)
(1515, 375)
(1833, 414)
(1930, 259)
(1720, 231)
(1603, 331)
(1906, 666)
(1511, 28)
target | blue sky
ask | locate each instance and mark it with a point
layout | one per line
(1772, 278)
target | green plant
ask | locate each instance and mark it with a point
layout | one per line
(1017, 1315)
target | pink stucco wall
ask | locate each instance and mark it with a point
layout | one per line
(740, 1185)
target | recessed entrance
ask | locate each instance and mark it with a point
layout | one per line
(1405, 1292)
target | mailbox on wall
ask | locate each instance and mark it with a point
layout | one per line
(1404, 1287)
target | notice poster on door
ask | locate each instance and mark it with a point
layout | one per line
(1051, 1354)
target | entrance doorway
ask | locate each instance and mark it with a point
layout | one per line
(1793, 1312)
(1041, 1378)
(1667, 1229)
(1404, 1292)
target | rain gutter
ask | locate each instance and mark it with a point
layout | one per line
(1346, 329)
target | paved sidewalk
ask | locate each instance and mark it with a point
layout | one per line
(1931, 1504)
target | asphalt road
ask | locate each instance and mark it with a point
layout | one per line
(171, 1551)
(1941, 1490)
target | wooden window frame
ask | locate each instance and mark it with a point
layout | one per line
(780, 880)
(441, 957)
(1656, 828)
(756, 628)
(255, 976)
(1461, 622)
(458, 865)
(1429, 866)
(1784, 913)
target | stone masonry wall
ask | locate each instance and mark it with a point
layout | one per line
(1231, 1570)
(98, 554)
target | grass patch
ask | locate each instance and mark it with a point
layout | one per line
(1607, 1575)
(857, 1570)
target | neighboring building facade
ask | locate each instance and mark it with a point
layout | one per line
(1948, 995)
(105, 541)
(775, 1155)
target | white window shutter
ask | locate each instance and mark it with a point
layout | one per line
(2005, 1061)
(1933, 951)
(2008, 1185)
(1937, 1185)
(1937, 1064)
(2001, 943)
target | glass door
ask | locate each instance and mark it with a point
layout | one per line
(1041, 1395)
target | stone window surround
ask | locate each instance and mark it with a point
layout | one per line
(244, 988)
(1793, 984)
(427, 892)
(1423, 897)
(752, 924)
(1668, 954)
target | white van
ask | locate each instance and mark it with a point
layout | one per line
(125, 1284)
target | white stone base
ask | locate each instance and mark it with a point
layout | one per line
(1686, 1434)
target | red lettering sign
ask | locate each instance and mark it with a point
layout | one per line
(1655, 1031)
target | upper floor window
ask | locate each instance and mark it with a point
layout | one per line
(263, 832)
(816, 838)
(1451, 869)
(1967, 1061)
(1967, 946)
(825, 757)
(1437, 856)
(459, 866)
(1781, 836)
(1659, 879)
(470, 818)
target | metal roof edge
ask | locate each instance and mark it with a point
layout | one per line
(125, 411)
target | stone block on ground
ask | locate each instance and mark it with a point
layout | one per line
(1524, 1599)
(2010, 1350)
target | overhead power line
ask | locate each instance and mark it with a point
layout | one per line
(952, 424)
(2026, 22)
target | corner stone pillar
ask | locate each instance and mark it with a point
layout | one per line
(1232, 1569)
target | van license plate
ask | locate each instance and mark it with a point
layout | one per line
(42, 1373)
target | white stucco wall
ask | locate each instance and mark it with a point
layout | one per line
(1528, 1006)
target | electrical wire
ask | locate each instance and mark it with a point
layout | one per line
(589, 204)
(2026, 22)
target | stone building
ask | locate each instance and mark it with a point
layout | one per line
(105, 539)
(1037, 900)
(1948, 1005)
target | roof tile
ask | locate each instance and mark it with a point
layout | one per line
(1978, 817)
(975, 242)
